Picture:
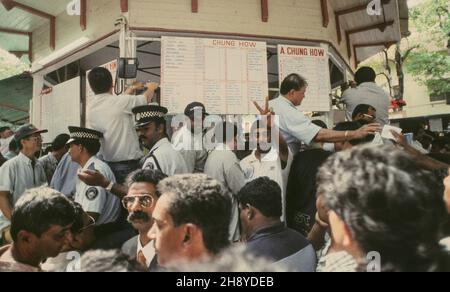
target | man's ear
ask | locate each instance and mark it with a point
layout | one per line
(250, 212)
(25, 236)
(190, 231)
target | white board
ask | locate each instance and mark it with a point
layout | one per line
(225, 75)
(60, 108)
(312, 64)
(112, 68)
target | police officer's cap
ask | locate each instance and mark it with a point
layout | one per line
(83, 134)
(144, 115)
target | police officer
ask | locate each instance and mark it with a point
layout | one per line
(20, 173)
(151, 128)
(98, 202)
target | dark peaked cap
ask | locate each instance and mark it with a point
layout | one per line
(84, 134)
(145, 114)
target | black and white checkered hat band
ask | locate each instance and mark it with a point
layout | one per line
(146, 115)
(82, 135)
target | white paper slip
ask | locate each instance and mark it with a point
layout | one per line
(386, 133)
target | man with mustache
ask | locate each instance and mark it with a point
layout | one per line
(140, 203)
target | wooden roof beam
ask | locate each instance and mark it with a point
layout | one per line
(366, 45)
(30, 41)
(325, 15)
(346, 11)
(264, 10)
(194, 6)
(10, 4)
(380, 26)
(124, 6)
(83, 17)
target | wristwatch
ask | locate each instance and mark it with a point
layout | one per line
(110, 186)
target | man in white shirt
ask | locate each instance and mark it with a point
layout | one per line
(151, 127)
(19, 174)
(273, 161)
(99, 203)
(140, 203)
(367, 92)
(112, 116)
(296, 127)
(189, 139)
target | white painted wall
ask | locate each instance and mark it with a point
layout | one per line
(287, 19)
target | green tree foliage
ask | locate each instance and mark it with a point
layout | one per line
(430, 62)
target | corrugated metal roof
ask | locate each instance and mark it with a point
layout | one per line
(15, 96)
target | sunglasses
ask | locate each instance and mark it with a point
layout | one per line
(145, 201)
(89, 225)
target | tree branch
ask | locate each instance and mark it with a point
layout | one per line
(408, 51)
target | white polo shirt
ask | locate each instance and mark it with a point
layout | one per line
(293, 124)
(16, 176)
(270, 166)
(97, 199)
(112, 116)
(163, 157)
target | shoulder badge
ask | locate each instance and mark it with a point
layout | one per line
(91, 193)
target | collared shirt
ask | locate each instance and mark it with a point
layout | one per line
(148, 250)
(368, 93)
(97, 199)
(65, 176)
(270, 166)
(191, 148)
(16, 176)
(4, 145)
(293, 124)
(163, 157)
(50, 163)
(223, 166)
(9, 264)
(112, 116)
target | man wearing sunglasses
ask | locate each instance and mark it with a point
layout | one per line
(140, 203)
(19, 174)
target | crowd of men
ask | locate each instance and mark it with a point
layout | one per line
(305, 198)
